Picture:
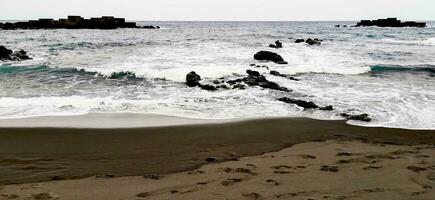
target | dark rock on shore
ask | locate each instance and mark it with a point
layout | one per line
(390, 22)
(269, 56)
(277, 45)
(300, 103)
(9, 55)
(362, 117)
(192, 79)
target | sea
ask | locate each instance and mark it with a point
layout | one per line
(388, 73)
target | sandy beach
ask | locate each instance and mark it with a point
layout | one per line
(310, 159)
(334, 169)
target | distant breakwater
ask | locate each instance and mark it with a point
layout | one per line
(75, 22)
(390, 22)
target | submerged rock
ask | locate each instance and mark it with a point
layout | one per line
(362, 117)
(269, 56)
(192, 79)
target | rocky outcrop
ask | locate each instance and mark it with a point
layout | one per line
(74, 22)
(362, 117)
(299, 40)
(277, 45)
(269, 56)
(9, 55)
(390, 22)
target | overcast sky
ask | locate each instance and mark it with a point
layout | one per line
(230, 10)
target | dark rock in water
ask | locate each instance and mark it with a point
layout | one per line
(5, 53)
(239, 86)
(276, 73)
(232, 82)
(252, 72)
(252, 65)
(390, 22)
(299, 41)
(192, 79)
(362, 117)
(255, 79)
(269, 56)
(282, 62)
(278, 44)
(273, 86)
(337, 26)
(313, 42)
(300, 103)
(122, 75)
(327, 108)
(208, 87)
(8, 55)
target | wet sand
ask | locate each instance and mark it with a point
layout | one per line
(42, 154)
(334, 169)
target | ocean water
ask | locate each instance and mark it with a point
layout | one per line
(385, 72)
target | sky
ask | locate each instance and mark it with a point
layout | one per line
(221, 10)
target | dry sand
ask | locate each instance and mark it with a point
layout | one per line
(335, 169)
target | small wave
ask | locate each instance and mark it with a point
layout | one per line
(377, 69)
(428, 42)
(8, 69)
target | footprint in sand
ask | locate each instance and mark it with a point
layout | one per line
(307, 156)
(152, 176)
(329, 168)
(143, 194)
(252, 195)
(416, 169)
(371, 167)
(231, 181)
(273, 182)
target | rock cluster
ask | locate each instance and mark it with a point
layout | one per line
(9, 55)
(390, 22)
(74, 22)
(269, 56)
(254, 78)
(310, 41)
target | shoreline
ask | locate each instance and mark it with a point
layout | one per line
(44, 154)
(140, 120)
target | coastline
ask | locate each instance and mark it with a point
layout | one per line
(43, 154)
